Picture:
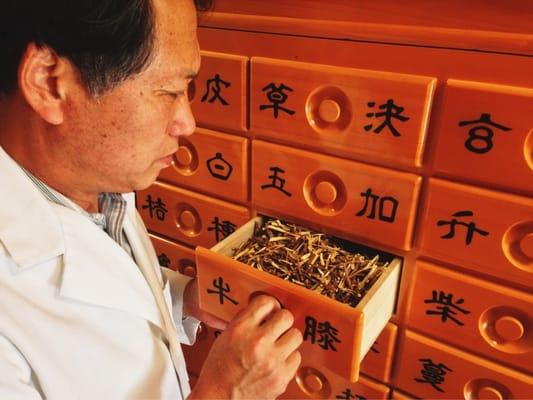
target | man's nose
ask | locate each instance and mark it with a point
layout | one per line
(183, 123)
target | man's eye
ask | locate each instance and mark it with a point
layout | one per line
(174, 95)
(170, 94)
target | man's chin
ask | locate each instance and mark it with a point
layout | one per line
(145, 182)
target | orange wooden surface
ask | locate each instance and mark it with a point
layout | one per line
(341, 111)
(340, 354)
(442, 63)
(336, 336)
(480, 55)
(398, 395)
(484, 25)
(484, 134)
(175, 256)
(485, 231)
(353, 199)
(510, 16)
(219, 95)
(211, 162)
(190, 218)
(491, 320)
(310, 383)
(433, 370)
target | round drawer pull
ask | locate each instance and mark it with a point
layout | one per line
(187, 219)
(326, 192)
(490, 393)
(184, 156)
(329, 111)
(190, 270)
(510, 328)
(526, 245)
(313, 383)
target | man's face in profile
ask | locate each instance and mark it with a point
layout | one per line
(128, 134)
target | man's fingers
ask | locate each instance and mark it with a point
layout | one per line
(288, 343)
(258, 310)
(214, 322)
(293, 363)
(279, 322)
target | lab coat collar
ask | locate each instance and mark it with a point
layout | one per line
(23, 206)
(88, 275)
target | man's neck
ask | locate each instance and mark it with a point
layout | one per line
(28, 143)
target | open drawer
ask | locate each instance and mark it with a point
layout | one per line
(336, 335)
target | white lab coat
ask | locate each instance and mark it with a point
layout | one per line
(78, 318)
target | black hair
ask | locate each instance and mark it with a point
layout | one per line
(107, 40)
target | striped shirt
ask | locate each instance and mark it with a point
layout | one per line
(110, 219)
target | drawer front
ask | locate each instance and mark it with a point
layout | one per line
(313, 382)
(489, 130)
(485, 318)
(432, 370)
(219, 99)
(211, 162)
(397, 395)
(174, 256)
(347, 112)
(354, 200)
(332, 331)
(188, 217)
(378, 361)
(486, 231)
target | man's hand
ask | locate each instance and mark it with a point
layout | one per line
(255, 357)
(192, 308)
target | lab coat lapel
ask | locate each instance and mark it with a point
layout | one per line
(147, 260)
(143, 251)
(99, 272)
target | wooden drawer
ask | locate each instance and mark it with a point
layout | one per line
(378, 361)
(432, 370)
(347, 333)
(219, 99)
(347, 112)
(188, 217)
(351, 199)
(311, 383)
(485, 231)
(485, 318)
(211, 162)
(488, 129)
(398, 395)
(174, 256)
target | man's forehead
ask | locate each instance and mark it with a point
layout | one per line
(177, 51)
(178, 14)
(179, 64)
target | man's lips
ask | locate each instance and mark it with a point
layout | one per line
(168, 159)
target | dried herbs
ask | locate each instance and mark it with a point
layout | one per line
(310, 260)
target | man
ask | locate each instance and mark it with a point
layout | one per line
(93, 100)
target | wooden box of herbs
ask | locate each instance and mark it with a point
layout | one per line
(341, 298)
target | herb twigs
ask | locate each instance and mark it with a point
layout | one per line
(310, 259)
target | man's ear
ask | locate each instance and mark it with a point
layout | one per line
(42, 80)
